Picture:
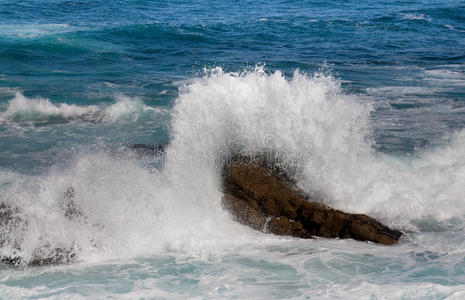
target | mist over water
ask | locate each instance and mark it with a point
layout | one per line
(363, 104)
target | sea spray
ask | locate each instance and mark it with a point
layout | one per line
(311, 116)
(132, 210)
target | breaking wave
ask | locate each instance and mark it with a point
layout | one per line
(125, 109)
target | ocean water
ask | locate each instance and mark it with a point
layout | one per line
(364, 102)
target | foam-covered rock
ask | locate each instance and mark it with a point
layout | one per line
(13, 222)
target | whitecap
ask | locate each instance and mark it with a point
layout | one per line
(22, 109)
(415, 17)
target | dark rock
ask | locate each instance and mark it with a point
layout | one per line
(42, 256)
(13, 223)
(71, 209)
(262, 196)
(52, 256)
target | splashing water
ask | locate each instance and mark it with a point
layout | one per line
(132, 211)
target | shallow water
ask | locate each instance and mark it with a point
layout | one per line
(364, 103)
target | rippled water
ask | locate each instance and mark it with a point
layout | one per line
(372, 95)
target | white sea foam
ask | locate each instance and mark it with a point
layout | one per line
(441, 79)
(127, 109)
(445, 77)
(415, 17)
(22, 109)
(399, 91)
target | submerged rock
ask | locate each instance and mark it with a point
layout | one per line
(13, 223)
(262, 196)
(52, 256)
(72, 211)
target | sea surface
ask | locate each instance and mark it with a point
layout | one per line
(364, 101)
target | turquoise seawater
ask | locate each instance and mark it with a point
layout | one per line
(368, 97)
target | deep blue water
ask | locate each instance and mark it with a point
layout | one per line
(95, 76)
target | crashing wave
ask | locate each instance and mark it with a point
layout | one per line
(322, 134)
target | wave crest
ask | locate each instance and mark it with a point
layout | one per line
(125, 109)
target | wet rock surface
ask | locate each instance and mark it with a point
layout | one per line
(262, 196)
(13, 223)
